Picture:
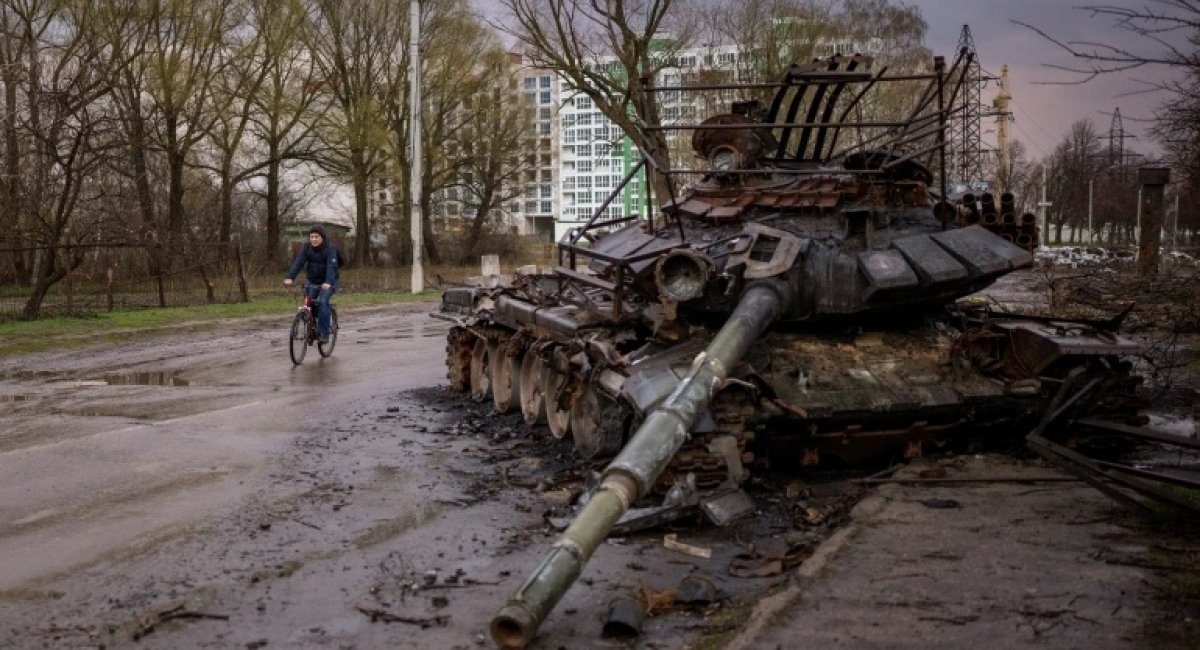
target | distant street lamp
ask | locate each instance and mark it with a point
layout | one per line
(414, 133)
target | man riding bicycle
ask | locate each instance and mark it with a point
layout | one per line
(320, 259)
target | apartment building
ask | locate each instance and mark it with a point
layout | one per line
(576, 157)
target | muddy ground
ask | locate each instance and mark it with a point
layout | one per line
(199, 491)
(196, 490)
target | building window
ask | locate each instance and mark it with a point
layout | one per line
(546, 207)
(568, 183)
(544, 82)
(583, 103)
(584, 167)
(544, 191)
(530, 83)
(544, 98)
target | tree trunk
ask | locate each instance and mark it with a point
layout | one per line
(10, 221)
(1150, 234)
(141, 174)
(471, 251)
(273, 257)
(45, 275)
(226, 232)
(429, 247)
(175, 191)
(362, 233)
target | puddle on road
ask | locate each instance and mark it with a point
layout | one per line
(30, 375)
(418, 331)
(160, 378)
(132, 378)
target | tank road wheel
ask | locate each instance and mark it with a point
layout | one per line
(597, 425)
(557, 418)
(533, 400)
(458, 358)
(506, 370)
(482, 356)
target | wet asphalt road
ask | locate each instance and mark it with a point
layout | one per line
(102, 448)
(197, 490)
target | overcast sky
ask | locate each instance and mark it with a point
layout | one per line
(1043, 113)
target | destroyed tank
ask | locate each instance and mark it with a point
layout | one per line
(797, 302)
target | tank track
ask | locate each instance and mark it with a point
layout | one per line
(733, 409)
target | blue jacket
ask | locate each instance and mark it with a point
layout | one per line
(321, 263)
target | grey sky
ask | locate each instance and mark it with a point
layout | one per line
(1043, 113)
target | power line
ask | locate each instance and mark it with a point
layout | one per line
(1035, 122)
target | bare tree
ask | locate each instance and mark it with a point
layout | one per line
(1012, 170)
(602, 48)
(1162, 35)
(64, 133)
(1165, 33)
(453, 44)
(184, 48)
(265, 107)
(354, 44)
(169, 56)
(492, 158)
(288, 106)
(1075, 160)
(771, 35)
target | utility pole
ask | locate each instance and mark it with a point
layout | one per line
(1042, 205)
(1091, 237)
(414, 134)
(1175, 228)
(1150, 217)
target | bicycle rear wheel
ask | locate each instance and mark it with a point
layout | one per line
(298, 338)
(326, 349)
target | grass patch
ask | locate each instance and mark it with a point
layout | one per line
(19, 337)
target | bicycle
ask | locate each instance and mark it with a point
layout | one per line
(303, 332)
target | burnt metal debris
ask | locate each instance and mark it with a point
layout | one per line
(798, 302)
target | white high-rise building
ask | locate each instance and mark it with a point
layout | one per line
(576, 157)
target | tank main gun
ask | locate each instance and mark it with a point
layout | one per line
(633, 473)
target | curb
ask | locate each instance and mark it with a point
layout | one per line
(768, 609)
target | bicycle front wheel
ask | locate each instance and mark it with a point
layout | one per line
(326, 349)
(298, 339)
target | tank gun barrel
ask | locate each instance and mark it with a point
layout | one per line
(634, 471)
